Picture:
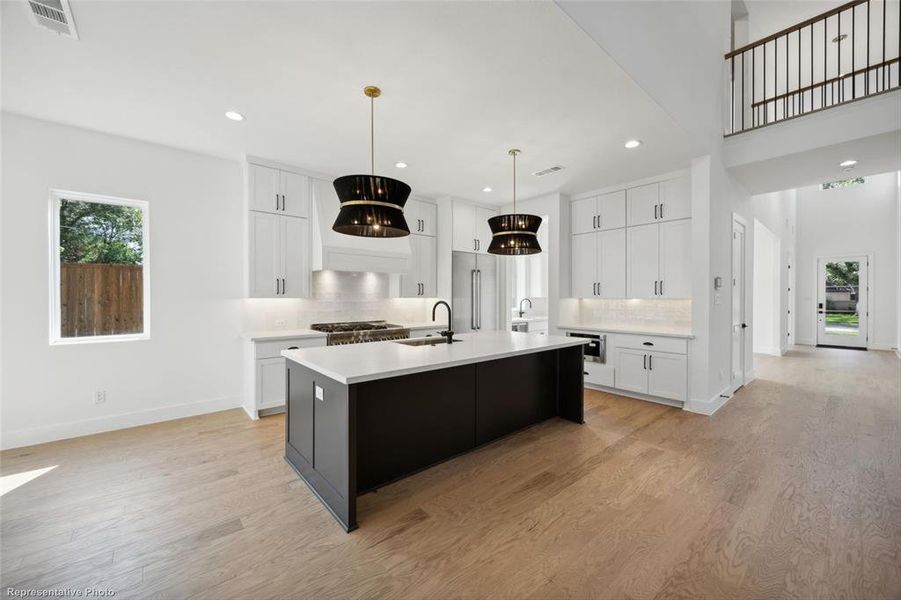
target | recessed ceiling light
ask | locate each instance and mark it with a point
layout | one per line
(839, 38)
(847, 163)
(632, 144)
(400, 165)
(486, 189)
(234, 115)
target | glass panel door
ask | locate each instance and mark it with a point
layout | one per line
(842, 302)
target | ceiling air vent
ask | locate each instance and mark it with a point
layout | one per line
(547, 171)
(55, 15)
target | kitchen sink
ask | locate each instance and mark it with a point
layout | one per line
(426, 341)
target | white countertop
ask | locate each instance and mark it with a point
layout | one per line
(282, 334)
(287, 334)
(529, 319)
(356, 363)
(678, 332)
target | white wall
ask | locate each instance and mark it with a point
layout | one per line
(192, 362)
(851, 221)
(767, 310)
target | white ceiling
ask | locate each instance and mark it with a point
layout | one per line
(462, 83)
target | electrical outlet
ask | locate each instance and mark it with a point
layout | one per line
(281, 323)
(100, 397)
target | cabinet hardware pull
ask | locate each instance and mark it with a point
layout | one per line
(293, 348)
(655, 287)
(647, 343)
(276, 202)
(645, 362)
(650, 362)
(594, 222)
(283, 286)
(661, 287)
(655, 211)
(599, 221)
(277, 290)
(661, 210)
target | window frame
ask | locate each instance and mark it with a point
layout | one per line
(56, 198)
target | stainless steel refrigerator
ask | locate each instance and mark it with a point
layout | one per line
(474, 280)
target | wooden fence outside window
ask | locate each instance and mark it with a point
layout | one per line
(101, 299)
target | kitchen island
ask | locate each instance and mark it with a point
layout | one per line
(361, 416)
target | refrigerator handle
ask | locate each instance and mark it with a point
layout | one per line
(472, 293)
(479, 280)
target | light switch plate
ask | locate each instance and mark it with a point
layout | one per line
(320, 395)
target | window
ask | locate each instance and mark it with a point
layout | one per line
(99, 269)
(842, 183)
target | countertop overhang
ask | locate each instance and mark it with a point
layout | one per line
(655, 331)
(356, 363)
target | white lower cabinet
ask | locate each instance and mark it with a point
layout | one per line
(667, 375)
(265, 373)
(631, 371)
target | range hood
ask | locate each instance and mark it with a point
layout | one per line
(335, 251)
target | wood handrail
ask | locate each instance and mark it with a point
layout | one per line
(795, 27)
(825, 82)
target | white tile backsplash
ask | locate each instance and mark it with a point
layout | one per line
(338, 296)
(644, 314)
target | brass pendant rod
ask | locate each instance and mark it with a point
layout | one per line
(372, 134)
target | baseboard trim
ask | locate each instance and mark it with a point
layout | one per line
(708, 407)
(769, 351)
(636, 395)
(72, 429)
(898, 352)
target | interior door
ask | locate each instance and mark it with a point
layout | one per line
(631, 370)
(584, 215)
(584, 265)
(265, 255)
(842, 309)
(643, 253)
(675, 259)
(739, 324)
(295, 243)
(612, 263)
(264, 189)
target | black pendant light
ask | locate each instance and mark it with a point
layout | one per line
(514, 234)
(371, 205)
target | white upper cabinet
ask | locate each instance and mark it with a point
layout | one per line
(675, 199)
(280, 192)
(421, 217)
(421, 280)
(584, 215)
(607, 211)
(675, 259)
(612, 263)
(264, 189)
(295, 191)
(483, 231)
(471, 231)
(668, 200)
(584, 265)
(265, 255)
(659, 264)
(642, 204)
(643, 251)
(295, 251)
(599, 264)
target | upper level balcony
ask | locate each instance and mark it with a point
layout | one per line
(840, 56)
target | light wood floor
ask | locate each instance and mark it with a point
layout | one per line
(792, 490)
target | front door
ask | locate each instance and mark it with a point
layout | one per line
(842, 301)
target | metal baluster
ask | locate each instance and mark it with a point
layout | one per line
(884, 3)
(853, 53)
(732, 67)
(866, 87)
(743, 70)
(753, 86)
(765, 105)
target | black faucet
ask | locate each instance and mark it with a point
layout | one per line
(448, 334)
(521, 311)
